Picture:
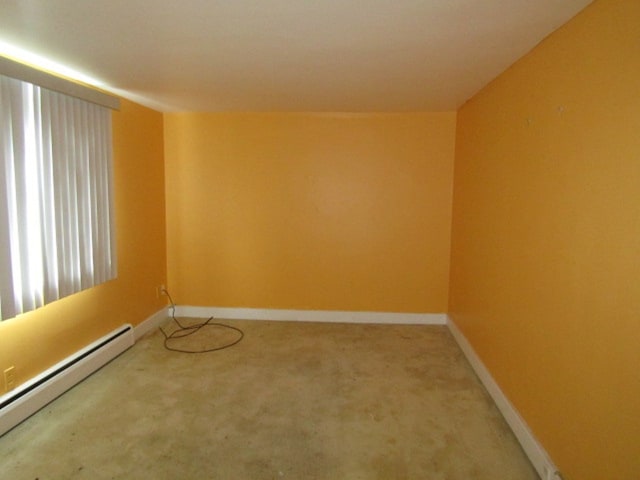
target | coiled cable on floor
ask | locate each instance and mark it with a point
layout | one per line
(186, 330)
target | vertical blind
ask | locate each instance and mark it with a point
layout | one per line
(56, 211)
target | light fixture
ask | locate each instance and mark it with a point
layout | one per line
(23, 56)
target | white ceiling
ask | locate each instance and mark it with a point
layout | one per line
(286, 55)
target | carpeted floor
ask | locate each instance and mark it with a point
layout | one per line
(290, 401)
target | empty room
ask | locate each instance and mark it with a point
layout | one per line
(322, 240)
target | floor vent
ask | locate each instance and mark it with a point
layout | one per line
(31, 396)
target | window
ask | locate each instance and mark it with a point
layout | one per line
(56, 211)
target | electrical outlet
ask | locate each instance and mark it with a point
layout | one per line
(160, 289)
(9, 378)
(550, 473)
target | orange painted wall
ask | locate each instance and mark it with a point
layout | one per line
(36, 340)
(545, 274)
(310, 211)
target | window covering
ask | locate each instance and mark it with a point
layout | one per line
(56, 211)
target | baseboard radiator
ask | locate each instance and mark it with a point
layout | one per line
(28, 398)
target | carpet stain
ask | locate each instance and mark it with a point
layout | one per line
(291, 401)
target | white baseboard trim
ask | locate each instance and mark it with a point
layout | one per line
(151, 323)
(331, 316)
(532, 448)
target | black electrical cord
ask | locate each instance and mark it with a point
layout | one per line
(186, 330)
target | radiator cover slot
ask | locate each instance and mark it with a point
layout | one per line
(27, 399)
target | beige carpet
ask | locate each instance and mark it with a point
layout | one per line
(291, 401)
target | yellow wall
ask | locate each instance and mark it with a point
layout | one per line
(35, 341)
(310, 211)
(353, 212)
(545, 274)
